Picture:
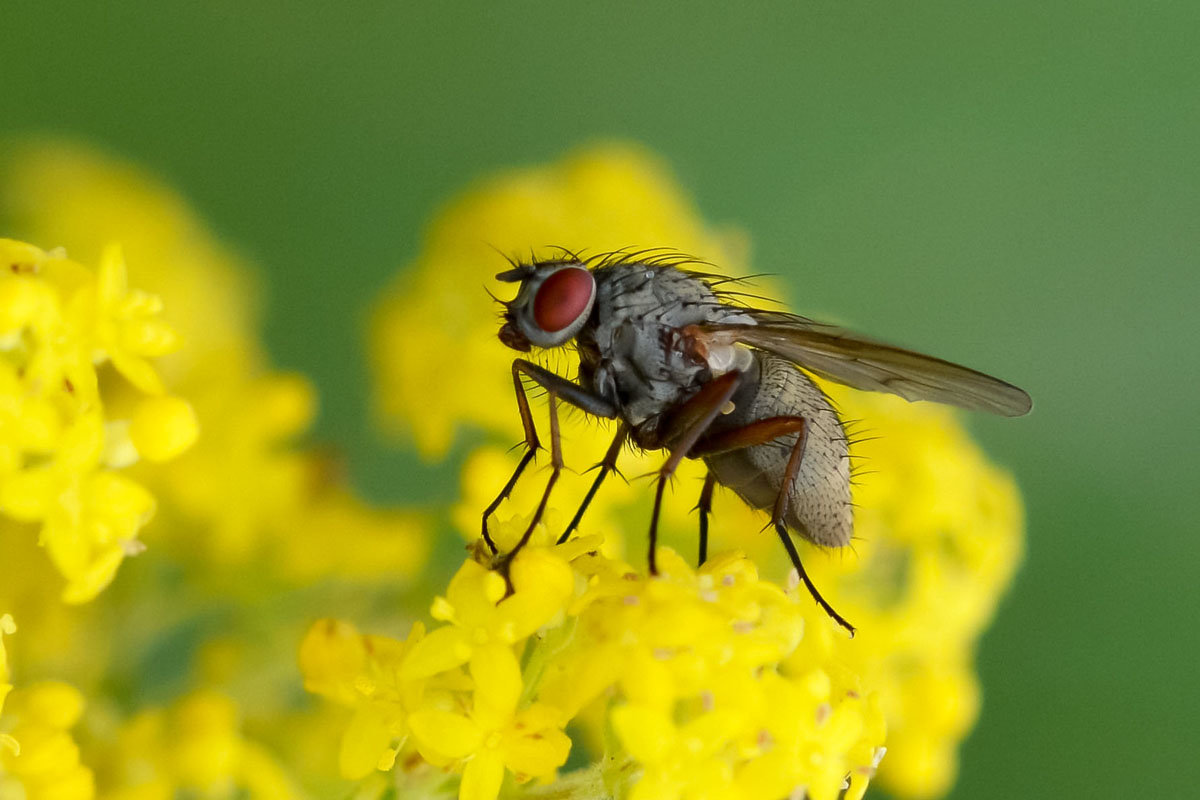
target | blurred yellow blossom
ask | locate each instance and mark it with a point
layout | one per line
(195, 748)
(38, 758)
(249, 494)
(938, 529)
(62, 437)
(7, 627)
(47, 764)
(79, 199)
(163, 427)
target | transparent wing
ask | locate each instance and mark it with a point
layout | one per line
(861, 363)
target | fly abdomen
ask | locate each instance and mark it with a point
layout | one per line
(818, 507)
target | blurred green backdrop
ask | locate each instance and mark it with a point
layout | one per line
(1011, 185)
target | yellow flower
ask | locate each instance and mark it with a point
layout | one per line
(40, 760)
(495, 735)
(248, 494)
(939, 536)
(163, 427)
(364, 673)
(480, 614)
(123, 325)
(718, 706)
(386, 544)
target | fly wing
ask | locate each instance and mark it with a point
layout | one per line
(861, 363)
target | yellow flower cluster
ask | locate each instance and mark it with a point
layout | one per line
(711, 682)
(65, 430)
(247, 494)
(248, 515)
(418, 686)
(938, 528)
(194, 748)
(38, 758)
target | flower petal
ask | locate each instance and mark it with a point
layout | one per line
(442, 733)
(443, 649)
(498, 686)
(538, 752)
(366, 739)
(647, 733)
(482, 778)
(474, 592)
(544, 583)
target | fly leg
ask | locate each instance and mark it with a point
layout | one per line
(754, 433)
(531, 447)
(558, 388)
(556, 465)
(762, 432)
(704, 506)
(609, 464)
(682, 430)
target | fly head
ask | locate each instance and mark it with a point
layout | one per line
(551, 306)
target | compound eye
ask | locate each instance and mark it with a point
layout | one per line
(563, 298)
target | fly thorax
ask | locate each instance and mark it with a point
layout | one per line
(647, 374)
(640, 312)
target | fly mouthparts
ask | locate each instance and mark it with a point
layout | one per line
(510, 337)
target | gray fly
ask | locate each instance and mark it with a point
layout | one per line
(672, 354)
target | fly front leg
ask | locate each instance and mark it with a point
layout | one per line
(532, 443)
(609, 464)
(759, 433)
(557, 388)
(686, 424)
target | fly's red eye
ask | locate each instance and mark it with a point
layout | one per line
(562, 298)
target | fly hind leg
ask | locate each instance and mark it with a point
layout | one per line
(758, 433)
(704, 506)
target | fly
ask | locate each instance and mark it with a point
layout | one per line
(665, 351)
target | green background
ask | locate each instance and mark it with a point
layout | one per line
(1011, 185)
